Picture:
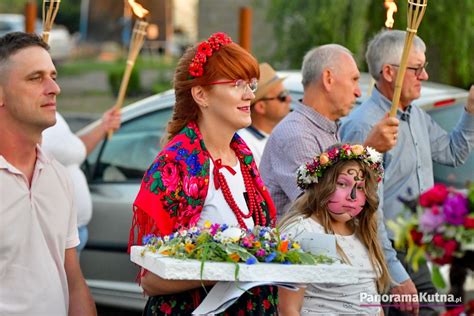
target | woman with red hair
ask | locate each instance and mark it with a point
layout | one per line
(205, 171)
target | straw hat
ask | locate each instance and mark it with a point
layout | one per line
(268, 79)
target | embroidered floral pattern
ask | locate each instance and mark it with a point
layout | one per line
(260, 301)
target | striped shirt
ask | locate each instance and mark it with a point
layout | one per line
(300, 136)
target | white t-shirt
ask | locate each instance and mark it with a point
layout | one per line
(255, 142)
(330, 299)
(37, 225)
(216, 209)
(63, 145)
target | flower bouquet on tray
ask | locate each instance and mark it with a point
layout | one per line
(219, 252)
(440, 228)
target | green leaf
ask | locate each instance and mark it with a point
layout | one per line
(437, 278)
(248, 160)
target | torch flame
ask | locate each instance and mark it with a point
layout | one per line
(391, 9)
(138, 9)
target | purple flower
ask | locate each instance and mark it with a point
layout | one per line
(455, 209)
(430, 221)
(147, 238)
(214, 228)
(260, 253)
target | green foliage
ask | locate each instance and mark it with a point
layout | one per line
(300, 25)
(115, 79)
(447, 29)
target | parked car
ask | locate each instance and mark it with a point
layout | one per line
(60, 40)
(116, 167)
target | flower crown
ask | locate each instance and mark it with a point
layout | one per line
(205, 50)
(310, 172)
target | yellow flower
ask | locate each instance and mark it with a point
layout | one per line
(323, 159)
(207, 224)
(296, 245)
(189, 248)
(234, 257)
(357, 149)
(257, 244)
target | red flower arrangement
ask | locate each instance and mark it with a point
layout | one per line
(205, 50)
(441, 228)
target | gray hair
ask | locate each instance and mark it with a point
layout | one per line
(320, 58)
(386, 47)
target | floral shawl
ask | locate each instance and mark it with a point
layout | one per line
(175, 186)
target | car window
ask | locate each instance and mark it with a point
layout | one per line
(5, 27)
(447, 118)
(126, 156)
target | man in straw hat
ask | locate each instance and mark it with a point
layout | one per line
(270, 106)
(330, 81)
(420, 140)
(39, 267)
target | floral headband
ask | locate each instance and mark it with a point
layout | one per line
(205, 50)
(310, 173)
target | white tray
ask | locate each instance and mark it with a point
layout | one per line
(190, 269)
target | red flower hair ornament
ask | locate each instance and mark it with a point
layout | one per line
(205, 50)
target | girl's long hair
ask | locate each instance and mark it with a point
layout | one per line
(231, 62)
(314, 201)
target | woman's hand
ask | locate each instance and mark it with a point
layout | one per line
(290, 302)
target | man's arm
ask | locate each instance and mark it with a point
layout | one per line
(80, 299)
(110, 122)
(453, 148)
(383, 135)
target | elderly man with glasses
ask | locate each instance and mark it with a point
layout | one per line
(270, 106)
(420, 140)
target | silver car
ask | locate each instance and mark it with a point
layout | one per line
(116, 167)
(60, 40)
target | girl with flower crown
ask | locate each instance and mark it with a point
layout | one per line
(340, 198)
(205, 172)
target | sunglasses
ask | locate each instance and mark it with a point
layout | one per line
(282, 96)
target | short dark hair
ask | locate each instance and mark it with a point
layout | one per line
(14, 41)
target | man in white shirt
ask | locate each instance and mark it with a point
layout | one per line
(270, 106)
(39, 268)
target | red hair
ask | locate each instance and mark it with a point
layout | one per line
(230, 62)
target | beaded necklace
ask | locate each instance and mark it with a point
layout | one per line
(255, 209)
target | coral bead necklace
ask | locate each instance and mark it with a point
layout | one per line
(255, 209)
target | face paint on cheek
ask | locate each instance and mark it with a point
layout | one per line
(345, 201)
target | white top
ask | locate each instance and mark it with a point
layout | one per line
(62, 144)
(329, 299)
(255, 144)
(37, 225)
(216, 209)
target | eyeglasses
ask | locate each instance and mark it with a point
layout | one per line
(282, 96)
(418, 70)
(240, 84)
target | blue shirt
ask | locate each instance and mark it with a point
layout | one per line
(301, 135)
(409, 165)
